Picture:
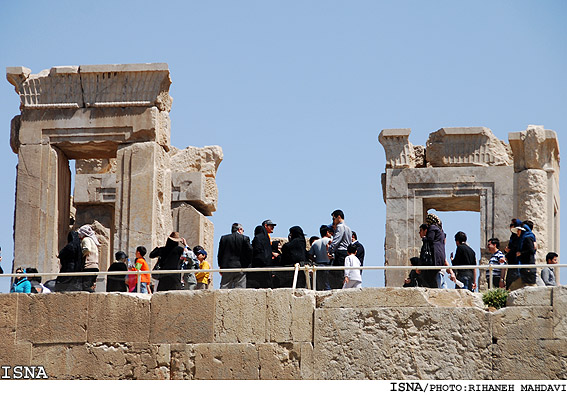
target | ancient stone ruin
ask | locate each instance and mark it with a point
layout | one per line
(469, 169)
(130, 182)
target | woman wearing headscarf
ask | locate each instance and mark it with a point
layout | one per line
(169, 258)
(70, 260)
(511, 274)
(526, 255)
(293, 252)
(435, 239)
(89, 249)
(261, 258)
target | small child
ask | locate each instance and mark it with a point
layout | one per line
(202, 277)
(353, 279)
(141, 265)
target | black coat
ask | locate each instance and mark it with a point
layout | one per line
(169, 259)
(235, 251)
(116, 283)
(71, 260)
(261, 258)
(293, 252)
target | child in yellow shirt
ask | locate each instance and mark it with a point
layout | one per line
(202, 277)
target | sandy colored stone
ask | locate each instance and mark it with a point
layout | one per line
(182, 362)
(399, 297)
(240, 316)
(402, 343)
(196, 228)
(182, 317)
(522, 323)
(470, 146)
(559, 299)
(53, 318)
(290, 315)
(101, 361)
(531, 296)
(531, 359)
(119, 317)
(280, 361)
(226, 362)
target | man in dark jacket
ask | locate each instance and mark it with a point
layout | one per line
(235, 251)
(464, 255)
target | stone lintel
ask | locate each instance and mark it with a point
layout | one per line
(121, 68)
(465, 131)
(72, 87)
(385, 133)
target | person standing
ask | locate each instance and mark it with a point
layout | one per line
(497, 259)
(359, 249)
(547, 273)
(464, 255)
(169, 257)
(235, 251)
(318, 254)
(89, 248)
(342, 238)
(293, 252)
(526, 255)
(118, 283)
(202, 277)
(511, 274)
(262, 256)
(70, 260)
(352, 277)
(142, 265)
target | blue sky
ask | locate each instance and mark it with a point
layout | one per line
(296, 92)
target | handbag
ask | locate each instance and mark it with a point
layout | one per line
(157, 267)
(427, 255)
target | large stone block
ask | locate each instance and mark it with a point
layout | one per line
(182, 317)
(53, 318)
(226, 362)
(531, 359)
(530, 296)
(522, 323)
(182, 362)
(195, 227)
(119, 317)
(560, 312)
(240, 316)
(470, 146)
(399, 297)
(402, 343)
(103, 361)
(280, 361)
(290, 315)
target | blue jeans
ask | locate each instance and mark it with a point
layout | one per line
(467, 283)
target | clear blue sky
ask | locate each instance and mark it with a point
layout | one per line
(296, 92)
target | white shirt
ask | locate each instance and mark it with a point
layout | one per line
(353, 274)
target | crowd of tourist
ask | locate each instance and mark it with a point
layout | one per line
(337, 245)
(519, 249)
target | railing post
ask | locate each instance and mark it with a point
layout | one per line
(314, 287)
(139, 277)
(295, 273)
(306, 269)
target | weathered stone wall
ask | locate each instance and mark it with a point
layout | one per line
(387, 333)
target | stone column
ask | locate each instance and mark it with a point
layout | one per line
(143, 199)
(42, 206)
(536, 167)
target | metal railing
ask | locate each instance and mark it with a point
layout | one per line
(306, 268)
